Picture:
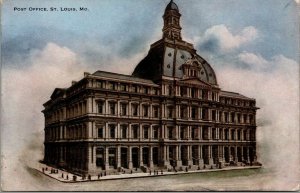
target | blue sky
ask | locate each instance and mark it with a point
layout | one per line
(253, 45)
(128, 27)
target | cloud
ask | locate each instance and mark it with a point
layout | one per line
(24, 90)
(277, 94)
(259, 63)
(220, 38)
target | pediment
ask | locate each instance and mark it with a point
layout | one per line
(57, 92)
(195, 81)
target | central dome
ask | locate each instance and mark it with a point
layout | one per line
(172, 6)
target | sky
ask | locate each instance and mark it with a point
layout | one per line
(253, 46)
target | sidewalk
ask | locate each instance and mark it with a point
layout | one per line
(68, 177)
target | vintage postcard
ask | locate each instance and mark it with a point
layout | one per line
(150, 95)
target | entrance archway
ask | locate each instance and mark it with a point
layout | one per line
(135, 157)
(124, 158)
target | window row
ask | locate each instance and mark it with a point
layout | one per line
(135, 88)
(135, 131)
(237, 102)
(190, 92)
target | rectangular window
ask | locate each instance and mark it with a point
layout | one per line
(155, 111)
(182, 131)
(112, 108)
(213, 133)
(170, 90)
(124, 131)
(183, 91)
(170, 112)
(194, 93)
(245, 135)
(204, 114)
(232, 135)
(112, 86)
(112, 131)
(233, 117)
(194, 133)
(123, 109)
(145, 90)
(100, 132)
(226, 117)
(100, 107)
(135, 109)
(146, 132)
(155, 133)
(194, 112)
(100, 84)
(135, 88)
(145, 110)
(135, 131)
(170, 130)
(123, 87)
(221, 134)
(213, 112)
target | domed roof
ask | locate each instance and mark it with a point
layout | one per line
(172, 6)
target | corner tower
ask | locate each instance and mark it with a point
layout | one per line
(172, 57)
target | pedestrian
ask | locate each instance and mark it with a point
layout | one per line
(130, 171)
(46, 169)
(89, 177)
(43, 170)
(67, 177)
(104, 173)
(62, 175)
(186, 169)
(98, 176)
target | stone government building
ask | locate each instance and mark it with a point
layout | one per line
(169, 113)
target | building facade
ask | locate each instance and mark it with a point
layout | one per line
(170, 113)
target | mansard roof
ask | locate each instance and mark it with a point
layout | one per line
(58, 92)
(234, 95)
(123, 77)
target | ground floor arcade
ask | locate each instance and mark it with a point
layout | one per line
(100, 157)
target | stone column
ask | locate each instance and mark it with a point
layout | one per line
(90, 130)
(141, 156)
(141, 132)
(151, 157)
(189, 151)
(166, 156)
(106, 111)
(242, 152)
(118, 156)
(178, 160)
(129, 156)
(248, 155)
(211, 161)
(129, 113)
(163, 131)
(200, 157)
(106, 158)
(209, 133)
(118, 109)
(129, 131)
